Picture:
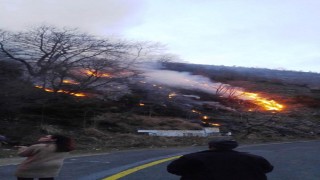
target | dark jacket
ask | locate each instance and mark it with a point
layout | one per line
(220, 165)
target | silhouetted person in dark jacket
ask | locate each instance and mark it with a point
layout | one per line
(220, 162)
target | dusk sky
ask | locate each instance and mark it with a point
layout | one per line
(275, 34)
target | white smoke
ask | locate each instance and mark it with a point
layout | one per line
(154, 74)
(180, 79)
(185, 80)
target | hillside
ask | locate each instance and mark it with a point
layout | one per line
(297, 91)
(205, 96)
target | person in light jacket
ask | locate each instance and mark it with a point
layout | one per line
(45, 158)
(220, 162)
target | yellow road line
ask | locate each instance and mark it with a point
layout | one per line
(132, 170)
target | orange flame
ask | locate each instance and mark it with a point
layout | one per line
(77, 94)
(96, 74)
(269, 105)
(62, 91)
(67, 81)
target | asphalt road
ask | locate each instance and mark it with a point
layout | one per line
(292, 161)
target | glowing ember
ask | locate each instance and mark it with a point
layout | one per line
(212, 124)
(269, 105)
(62, 91)
(171, 95)
(78, 94)
(195, 111)
(205, 117)
(215, 124)
(45, 89)
(69, 82)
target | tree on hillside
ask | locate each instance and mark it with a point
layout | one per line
(65, 58)
(228, 91)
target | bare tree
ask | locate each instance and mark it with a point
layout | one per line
(228, 91)
(221, 89)
(60, 58)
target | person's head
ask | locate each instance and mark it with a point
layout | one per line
(64, 143)
(222, 144)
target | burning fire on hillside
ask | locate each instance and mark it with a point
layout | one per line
(187, 81)
(96, 74)
(205, 120)
(62, 91)
(263, 103)
(72, 82)
(269, 105)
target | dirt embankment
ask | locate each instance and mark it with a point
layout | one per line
(112, 132)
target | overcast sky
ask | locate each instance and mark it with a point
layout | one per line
(275, 34)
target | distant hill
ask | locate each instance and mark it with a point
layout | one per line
(223, 73)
